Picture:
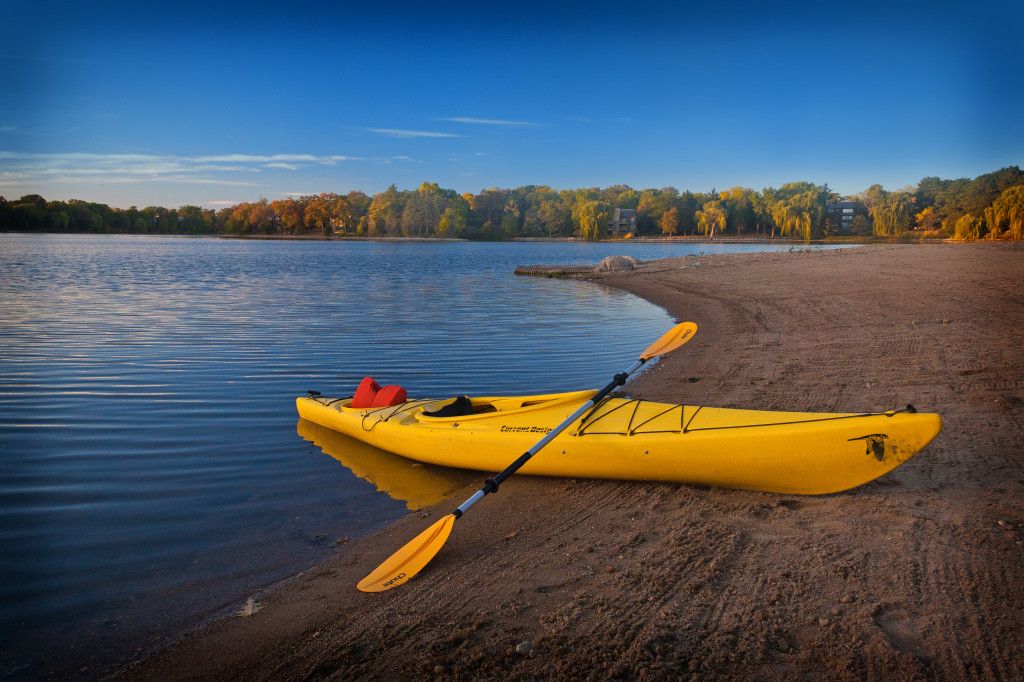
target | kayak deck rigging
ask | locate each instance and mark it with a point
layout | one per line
(686, 425)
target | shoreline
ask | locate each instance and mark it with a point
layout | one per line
(916, 574)
(675, 239)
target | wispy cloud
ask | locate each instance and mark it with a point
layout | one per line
(184, 179)
(409, 134)
(26, 168)
(278, 158)
(488, 121)
(200, 162)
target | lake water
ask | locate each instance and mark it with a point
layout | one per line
(153, 470)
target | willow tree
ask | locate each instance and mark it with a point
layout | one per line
(592, 217)
(713, 216)
(780, 213)
(809, 213)
(800, 216)
(993, 221)
(1007, 211)
(793, 219)
(892, 216)
(891, 212)
(968, 227)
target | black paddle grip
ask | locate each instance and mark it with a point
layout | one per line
(491, 484)
(619, 380)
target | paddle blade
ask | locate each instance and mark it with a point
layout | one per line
(410, 560)
(676, 337)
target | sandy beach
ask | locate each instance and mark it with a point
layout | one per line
(919, 574)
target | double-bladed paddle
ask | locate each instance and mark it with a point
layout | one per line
(410, 559)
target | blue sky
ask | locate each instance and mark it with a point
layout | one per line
(217, 103)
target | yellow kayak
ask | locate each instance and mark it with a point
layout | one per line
(621, 438)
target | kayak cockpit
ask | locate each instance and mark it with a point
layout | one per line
(462, 408)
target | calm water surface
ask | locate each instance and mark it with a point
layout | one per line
(152, 471)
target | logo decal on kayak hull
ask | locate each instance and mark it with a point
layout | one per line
(526, 429)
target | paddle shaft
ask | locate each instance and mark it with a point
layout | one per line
(491, 485)
(413, 556)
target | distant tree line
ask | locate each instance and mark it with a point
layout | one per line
(989, 206)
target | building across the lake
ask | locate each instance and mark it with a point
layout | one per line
(841, 213)
(623, 222)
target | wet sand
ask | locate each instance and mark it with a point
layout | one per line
(919, 574)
